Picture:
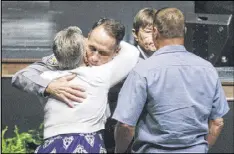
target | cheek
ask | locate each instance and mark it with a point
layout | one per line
(144, 38)
(141, 40)
(105, 59)
(145, 41)
(89, 55)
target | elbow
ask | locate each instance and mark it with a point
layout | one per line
(16, 78)
(13, 80)
(128, 128)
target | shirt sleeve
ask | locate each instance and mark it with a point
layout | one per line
(131, 100)
(123, 63)
(29, 80)
(220, 105)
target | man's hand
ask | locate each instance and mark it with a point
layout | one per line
(215, 127)
(61, 90)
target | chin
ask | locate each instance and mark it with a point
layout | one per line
(150, 50)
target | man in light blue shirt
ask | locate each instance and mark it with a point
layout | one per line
(173, 101)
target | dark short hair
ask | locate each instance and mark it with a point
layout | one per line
(144, 18)
(113, 27)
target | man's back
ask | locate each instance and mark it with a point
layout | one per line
(180, 93)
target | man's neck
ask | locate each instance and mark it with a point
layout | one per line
(172, 41)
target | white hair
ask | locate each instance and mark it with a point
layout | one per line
(68, 47)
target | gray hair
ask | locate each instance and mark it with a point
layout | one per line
(68, 48)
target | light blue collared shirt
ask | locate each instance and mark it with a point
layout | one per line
(169, 98)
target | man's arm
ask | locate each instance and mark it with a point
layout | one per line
(123, 136)
(29, 80)
(219, 109)
(131, 101)
(123, 63)
(215, 127)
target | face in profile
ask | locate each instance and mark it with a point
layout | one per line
(144, 39)
(100, 47)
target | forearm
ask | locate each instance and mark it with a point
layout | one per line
(215, 128)
(124, 62)
(29, 79)
(123, 137)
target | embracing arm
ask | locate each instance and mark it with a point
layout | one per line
(123, 63)
(29, 80)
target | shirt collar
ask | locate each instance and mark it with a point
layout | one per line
(144, 56)
(170, 49)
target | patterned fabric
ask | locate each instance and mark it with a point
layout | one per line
(73, 143)
(50, 60)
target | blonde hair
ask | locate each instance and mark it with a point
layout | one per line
(170, 22)
(68, 47)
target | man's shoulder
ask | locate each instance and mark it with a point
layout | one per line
(142, 67)
(53, 74)
(50, 60)
(199, 61)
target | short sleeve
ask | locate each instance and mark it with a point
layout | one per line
(131, 100)
(220, 105)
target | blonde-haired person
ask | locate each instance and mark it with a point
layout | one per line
(79, 129)
(173, 102)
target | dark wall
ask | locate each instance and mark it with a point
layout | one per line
(29, 27)
(214, 7)
(19, 108)
(84, 14)
(218, 7)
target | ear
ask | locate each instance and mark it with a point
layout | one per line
(155, 32)
(88, 35)
(117, 50)
(134, 34)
